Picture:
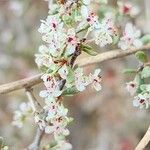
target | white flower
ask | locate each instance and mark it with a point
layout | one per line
(95, 80)
(56, 42)
(52, 23)
(43, 59)
(21, 115)
(41, 123)
(52, 87)
(128, 8)
(104, 34)
(142, 101)
(131, 87)
(25, 107)
(92, 20)
(57, 127)
(130, 37)
(81, 81)
(62, 111)
(17, 119)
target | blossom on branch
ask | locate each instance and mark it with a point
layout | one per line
(142, 101)
(132, 87)
(130, 37)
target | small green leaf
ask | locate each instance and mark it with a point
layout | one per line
(141, 56)
(88, 50)
(68, 20)
(145, 87)
(129, 71)
(52, 144)
(70, 91)
(146, 39)
(145, 72)
(115, 39)
(70, 76)
(139, 81)
(76, 15)
(84, 27)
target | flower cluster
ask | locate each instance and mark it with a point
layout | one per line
(104, 30)
(139, 88)
(56, 60)
(141, 99)
(21, 115)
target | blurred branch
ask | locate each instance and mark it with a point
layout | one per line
(29, 82)
(37, 140)
(145, 140)
(37, 108)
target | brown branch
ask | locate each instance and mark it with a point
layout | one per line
(29, 82)
(144, 141)
(20, 84)
(113, 54)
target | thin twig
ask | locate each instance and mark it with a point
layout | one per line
(144, 141)
(37, 140)
(29, 82)
(37, 108)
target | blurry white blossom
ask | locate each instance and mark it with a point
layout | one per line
(128, 8)
(130, 37)
(21, 115)
(17, 7)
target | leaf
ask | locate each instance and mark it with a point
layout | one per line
(145, 87)
(145, 72)
(88, 50)
(70, 76)
(139, 81)
(146, 39)
(70, 91)
(115, 39)
(141, 56)
(129, 71)
(68, 20)
(52, 144)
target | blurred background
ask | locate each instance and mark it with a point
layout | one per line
(103, 121)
